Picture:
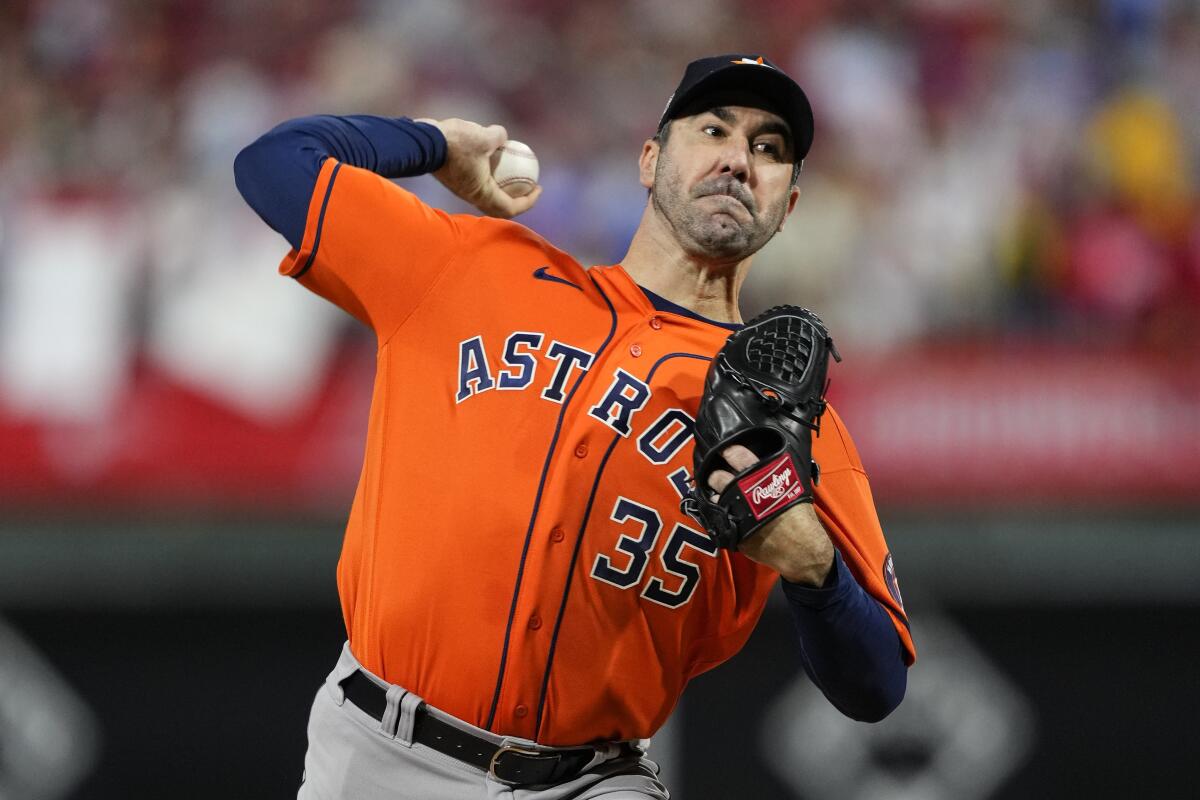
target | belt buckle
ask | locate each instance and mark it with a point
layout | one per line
(518, 750)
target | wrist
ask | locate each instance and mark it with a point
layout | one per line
(436, 147)
(807, 573)
(832, 591)
(795, 545)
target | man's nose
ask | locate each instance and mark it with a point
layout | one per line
(735, 159)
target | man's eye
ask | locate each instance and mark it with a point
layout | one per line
(767, 147)
(712, 130)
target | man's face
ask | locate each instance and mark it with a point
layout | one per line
(723, 180)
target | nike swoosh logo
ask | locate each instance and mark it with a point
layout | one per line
(543, 274)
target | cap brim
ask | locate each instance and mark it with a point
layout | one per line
(784, 97)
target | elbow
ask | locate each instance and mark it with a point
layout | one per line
(877, 702)
(247, 169)
(275, 181)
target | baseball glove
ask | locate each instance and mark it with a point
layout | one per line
(765, 390)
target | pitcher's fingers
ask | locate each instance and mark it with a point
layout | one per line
(739, 457)
(501, 205)
(522, 204)
(719, 479)
(496, 136)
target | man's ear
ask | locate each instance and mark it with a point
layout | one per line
(648, 161)
(793, 196)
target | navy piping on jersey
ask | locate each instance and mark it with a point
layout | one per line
(663, 304)
(512, 611)
(562, 608)
(320, 223)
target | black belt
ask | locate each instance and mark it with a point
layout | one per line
(509, 763)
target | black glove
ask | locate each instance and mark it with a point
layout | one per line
(765, 390)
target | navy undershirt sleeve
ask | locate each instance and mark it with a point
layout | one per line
(848, 645)
(277, 173)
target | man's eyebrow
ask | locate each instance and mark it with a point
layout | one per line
(770, 126)
(773, 126)
(724, 114)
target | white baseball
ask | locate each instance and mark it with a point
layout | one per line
(515, 168)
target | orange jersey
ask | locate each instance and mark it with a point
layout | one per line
(515, 552)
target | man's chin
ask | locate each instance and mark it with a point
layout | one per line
(722, 241)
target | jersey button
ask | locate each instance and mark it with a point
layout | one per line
(581, 450)
(656, 323)
(635, 350)
(556, 535)
(521, 710)
(535, 622)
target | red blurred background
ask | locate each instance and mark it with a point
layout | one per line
(999, 221)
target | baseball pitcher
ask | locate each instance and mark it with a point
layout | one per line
(580, 483)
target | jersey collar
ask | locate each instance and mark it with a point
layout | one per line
(663, 304)
(649, 302)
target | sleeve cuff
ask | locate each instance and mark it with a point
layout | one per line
(836, 586)
(436, 145)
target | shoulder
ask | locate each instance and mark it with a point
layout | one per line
(370, 193)
(500, 245)
(833, 447)
(510, 231)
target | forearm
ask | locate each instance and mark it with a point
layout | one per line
(277, 173)
(794, 544)
(848, 645)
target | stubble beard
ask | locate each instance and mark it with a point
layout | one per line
(707, 235)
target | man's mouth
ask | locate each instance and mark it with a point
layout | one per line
(733, 194)
(728, 202)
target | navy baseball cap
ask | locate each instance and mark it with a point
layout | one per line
(737, 73)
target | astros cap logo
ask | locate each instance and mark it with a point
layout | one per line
(745, 60)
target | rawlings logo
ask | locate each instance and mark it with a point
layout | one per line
(771, 487)
(775, 489)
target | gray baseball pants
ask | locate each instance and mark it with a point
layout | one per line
(353, 756)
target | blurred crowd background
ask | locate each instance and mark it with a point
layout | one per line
(999, 220)
(979, 167)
